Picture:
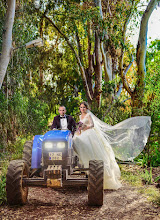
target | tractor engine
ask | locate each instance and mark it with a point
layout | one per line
(57, 157)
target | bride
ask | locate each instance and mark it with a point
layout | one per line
(97, 140)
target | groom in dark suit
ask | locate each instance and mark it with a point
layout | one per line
(63, 121)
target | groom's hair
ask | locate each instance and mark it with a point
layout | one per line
(62, 106)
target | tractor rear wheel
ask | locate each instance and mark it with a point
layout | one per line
(95, 182)
(27, 152)
(16, 192)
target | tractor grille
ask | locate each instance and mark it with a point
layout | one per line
(56, 156)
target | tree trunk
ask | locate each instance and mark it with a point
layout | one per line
(138, 93)
(41, 76)
(136, 102)
(98, 72)
(7, 39)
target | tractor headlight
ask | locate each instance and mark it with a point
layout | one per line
(48, 145)
(61, 145)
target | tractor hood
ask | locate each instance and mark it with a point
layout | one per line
(59, 135)
(53, 135)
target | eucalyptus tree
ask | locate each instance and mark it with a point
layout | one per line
(138, 91)
(95, 32)
(22, 108)
(7, 39)
(151, 102)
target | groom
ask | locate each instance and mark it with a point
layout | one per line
(63, 121)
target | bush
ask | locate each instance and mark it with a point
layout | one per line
(3, 173)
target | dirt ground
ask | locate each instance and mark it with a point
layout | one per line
(46, 203)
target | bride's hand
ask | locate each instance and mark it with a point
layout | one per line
(84, 128)
(80, 129)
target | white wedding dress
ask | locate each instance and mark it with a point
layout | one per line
(103, 142)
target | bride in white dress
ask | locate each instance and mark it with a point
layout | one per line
(95, 139)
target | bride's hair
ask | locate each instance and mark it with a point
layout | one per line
(85, 104)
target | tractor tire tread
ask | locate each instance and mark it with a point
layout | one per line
(95, 182)
(27, 152)
(16, 193)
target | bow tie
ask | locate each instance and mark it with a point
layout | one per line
(62, 117)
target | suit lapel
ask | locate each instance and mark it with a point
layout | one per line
(58, 122)
(67, 120)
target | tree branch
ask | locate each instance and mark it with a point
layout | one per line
(76, 55)
(122, 73)
(98, 4)
(108, 75)
(78, 44)
(128, 67)
(41, 27)
(125, 72)
(90, 61)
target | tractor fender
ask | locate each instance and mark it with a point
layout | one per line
(37, 151)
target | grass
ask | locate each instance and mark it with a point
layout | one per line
(130, 176)
(152, 194)
(137, 177)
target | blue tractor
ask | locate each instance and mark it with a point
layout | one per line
(49, 160)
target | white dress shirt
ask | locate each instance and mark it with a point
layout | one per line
(63, 122)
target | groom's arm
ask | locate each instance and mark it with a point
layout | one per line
(54, 124)
(73, 123)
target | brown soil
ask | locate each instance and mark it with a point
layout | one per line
(46, 203)
(122, 204)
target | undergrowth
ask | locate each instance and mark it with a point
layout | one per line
(12, 152)
(3, 173)
(152, 193)
(131, 178)
(142, 179)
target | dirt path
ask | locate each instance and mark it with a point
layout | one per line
(45, 203)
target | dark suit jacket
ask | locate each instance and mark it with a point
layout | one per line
(71, 124)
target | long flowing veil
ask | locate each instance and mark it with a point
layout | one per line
(127, 138)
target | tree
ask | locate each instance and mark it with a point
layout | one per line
(151, 102)
(22, 109)
(97, 39)
(7, 39)
(138, 92)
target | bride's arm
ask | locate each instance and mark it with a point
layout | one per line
(90, 124)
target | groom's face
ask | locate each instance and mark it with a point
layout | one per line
(62, 111)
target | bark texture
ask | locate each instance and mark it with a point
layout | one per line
(137, 94)
(7, 39)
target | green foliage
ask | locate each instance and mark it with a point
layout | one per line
(152, 193)
(12, 152)
(131, 178)
(3, 173)
(136, 176)
(22, 109)
(157, 179)
(2, 189)
(113, 113)
(151, 156)
(151, 106)
(37, 113)
(147, 176)
(108, 87)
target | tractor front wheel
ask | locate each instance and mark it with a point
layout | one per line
(95, 183)
(16, 192)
